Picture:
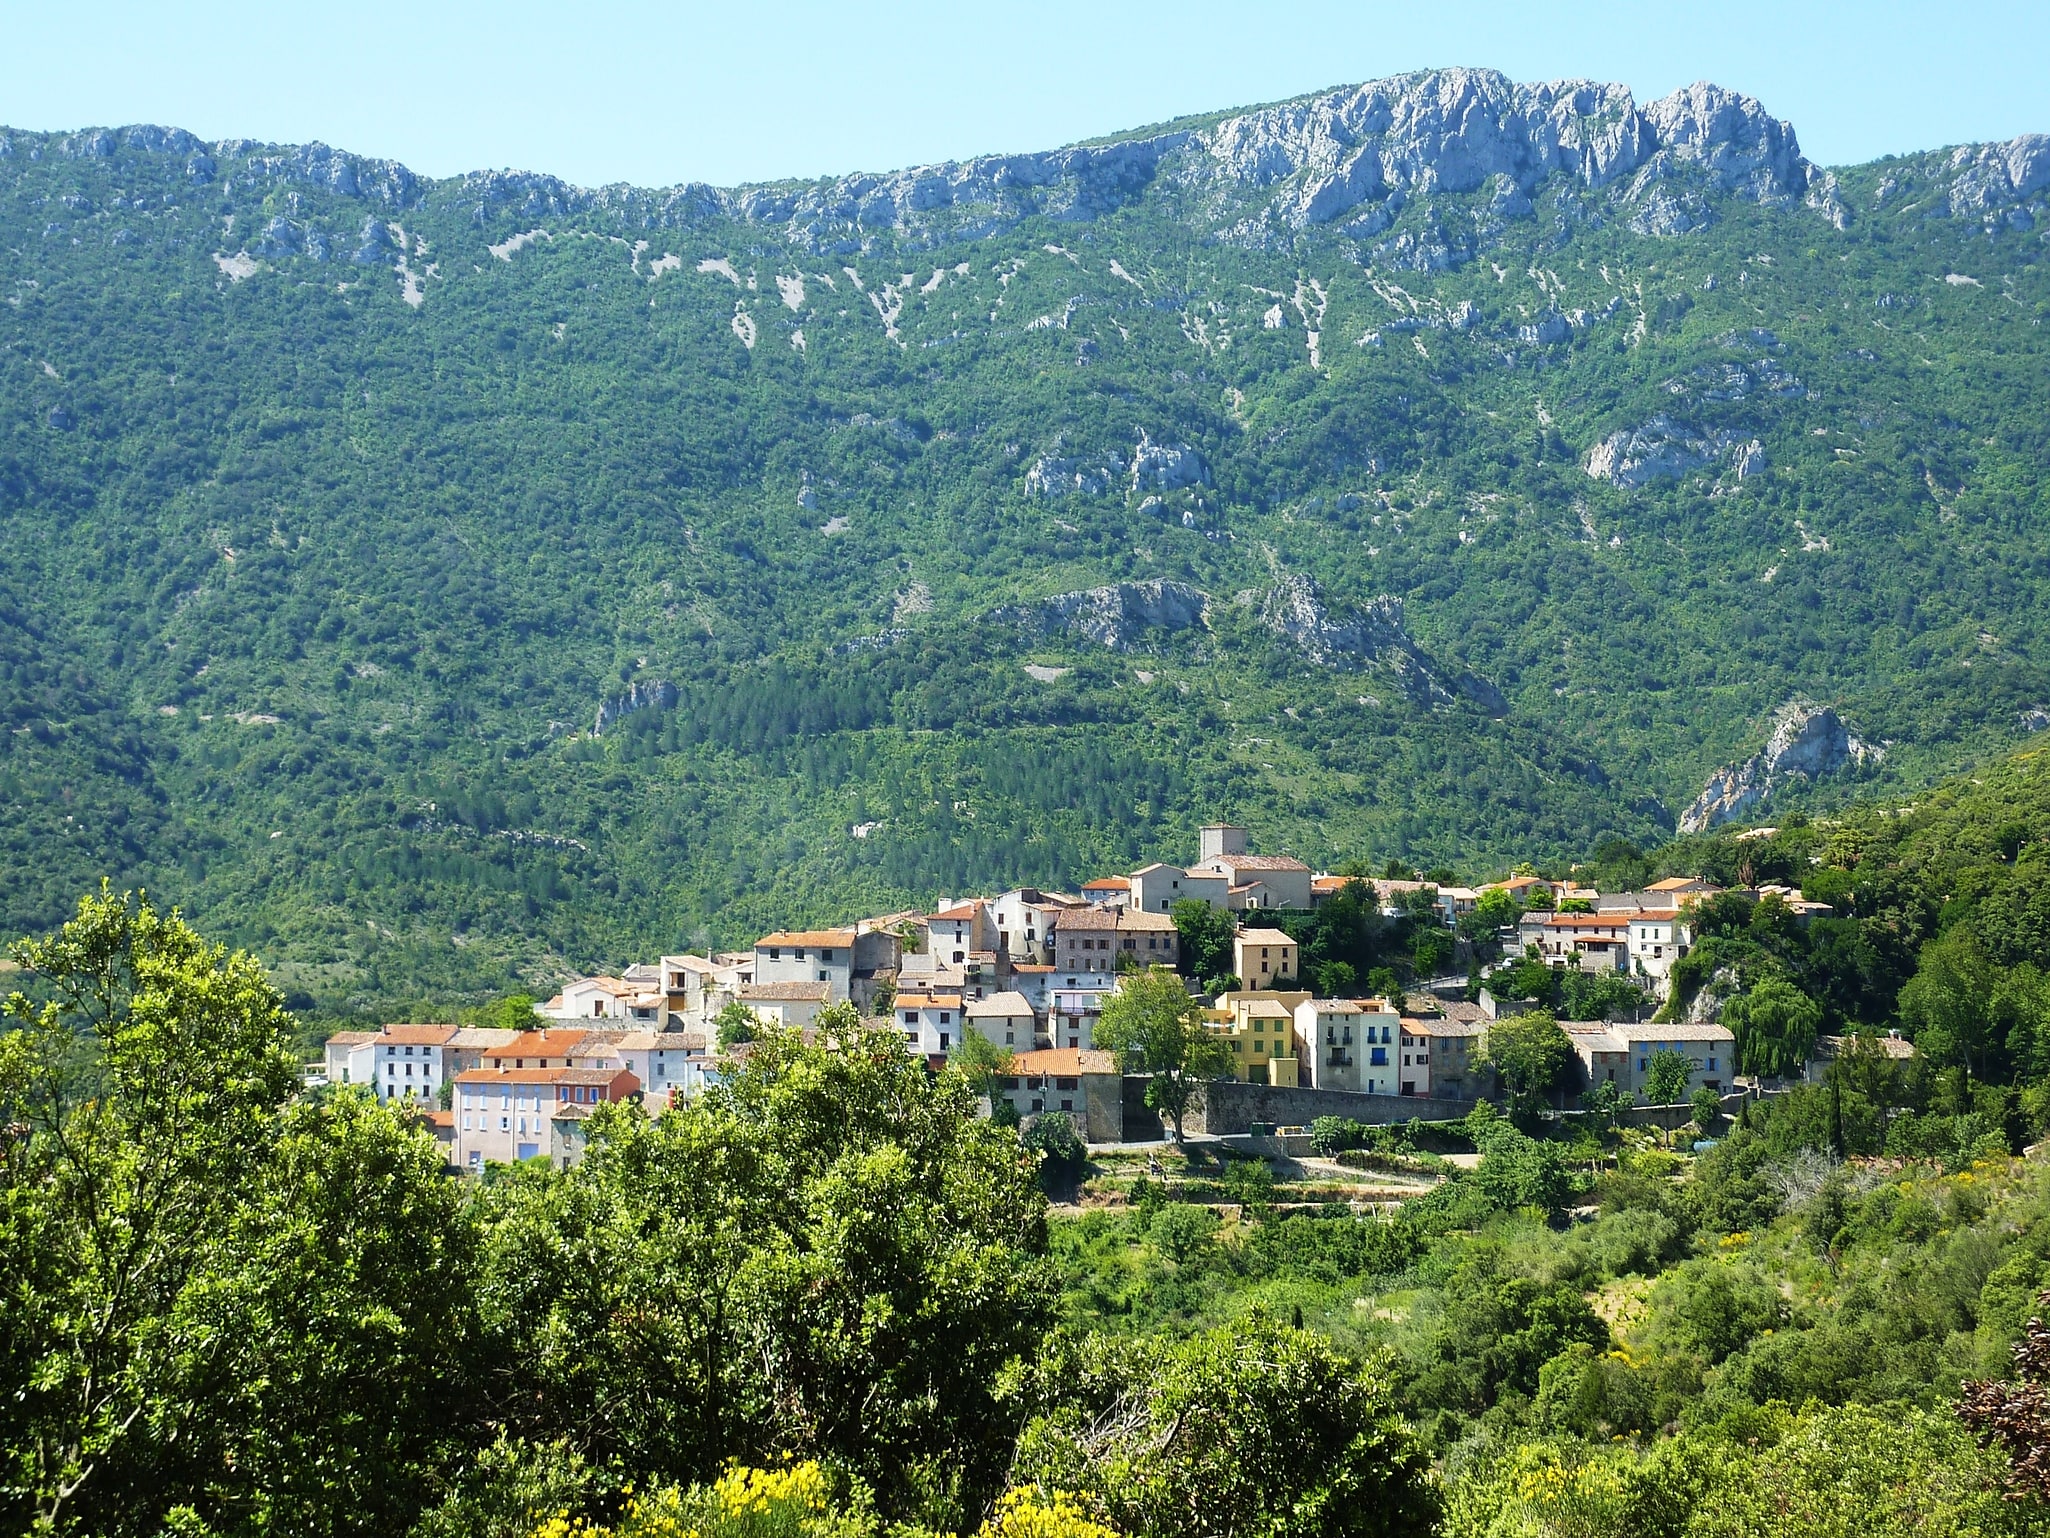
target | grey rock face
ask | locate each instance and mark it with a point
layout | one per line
(1167, 467)
(1992, 177)
(1454, 130)
(648, 694)
(1118, 616)
(375, 247)
(1371, 634)
(1054, 476)
(1807, 742)
(1664, 450)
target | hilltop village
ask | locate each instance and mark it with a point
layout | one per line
(1029, 972)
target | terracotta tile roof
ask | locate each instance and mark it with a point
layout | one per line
(1107, 884)
(416, 1035)
(1654, 916)
(1136, 923)
(960, 912)
(1064, 1062)
(815, 938)
(543, 1043)
(618, 987)
(1431, 1026)
(1265, 937)
(785, 993)
(1680, 884)
(1087, 920)
(600, 1076)
(351, 1038)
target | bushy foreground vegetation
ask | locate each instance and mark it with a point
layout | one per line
(827, 1301)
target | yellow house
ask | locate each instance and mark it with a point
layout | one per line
(1263, 957)
(1261, 1033)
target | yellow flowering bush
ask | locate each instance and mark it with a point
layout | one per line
(1543, 1494)
(794, 1501)
(1029, 1513)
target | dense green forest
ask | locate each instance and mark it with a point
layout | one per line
(826, 1300)
(339, 501)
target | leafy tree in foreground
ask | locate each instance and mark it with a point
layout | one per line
(1608, 1100)
(254, 1314)
(1253, 1429)
(1665, 1077)
(1708, 1109)
(1529, 1053)
(735, 1024)
(984, 1065)
(1775, 1026)
(1205, 932)
(1156, 1028)
(827, 1255)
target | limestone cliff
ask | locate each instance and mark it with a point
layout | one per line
(1807, 743)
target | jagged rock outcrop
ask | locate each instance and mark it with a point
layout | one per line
(1118, 616)
(1370, 634)
(1166, 467)
(1991, 180)
(1453, 130)
(1664, 450)
(1054, 475)
(648, 694)
(1807, 742)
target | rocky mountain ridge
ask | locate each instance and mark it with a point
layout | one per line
(1347, 158)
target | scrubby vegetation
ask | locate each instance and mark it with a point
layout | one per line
(826, 1301)
(310, 597)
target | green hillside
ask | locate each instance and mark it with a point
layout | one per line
(337, 502)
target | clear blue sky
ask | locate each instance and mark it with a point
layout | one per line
(657, 94)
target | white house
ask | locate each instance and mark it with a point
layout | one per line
(1005, 1019)
(605, 998)
(1350, 1044)
(808, 956)
(959, 930)
(408, 1062)
(932, 1026)
(1265, 880)
(672, 1066)
(348, 1056)
(1658, 938)
(1025, 918)
(1157, 888)
(793, 1005)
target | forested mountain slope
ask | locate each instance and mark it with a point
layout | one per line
(1485, 465)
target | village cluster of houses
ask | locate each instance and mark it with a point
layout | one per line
(1029, 971)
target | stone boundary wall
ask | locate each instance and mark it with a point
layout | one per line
(1230, 1107)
